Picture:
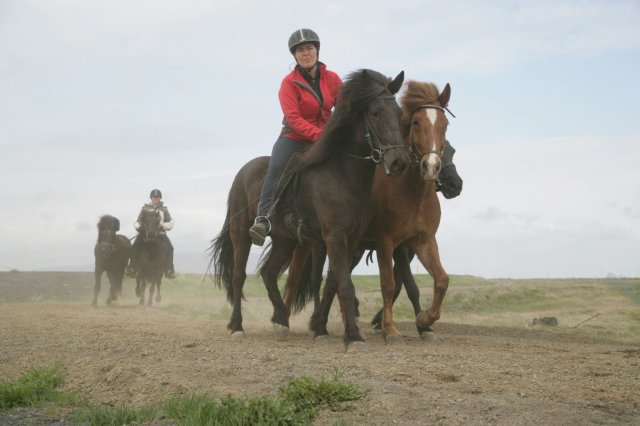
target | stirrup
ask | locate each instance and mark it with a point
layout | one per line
(259, 231)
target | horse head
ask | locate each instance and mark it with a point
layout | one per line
(449, 181)
(382, 122)
(108, 226)
(150, 225)
(366, 99)
(424, 125)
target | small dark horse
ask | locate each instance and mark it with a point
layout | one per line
(332, 197)
(152, 257)
(111, 253)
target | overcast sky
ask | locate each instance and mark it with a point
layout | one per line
(101, 101)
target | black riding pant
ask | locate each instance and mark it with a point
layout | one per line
(282, 151)
(137, 244)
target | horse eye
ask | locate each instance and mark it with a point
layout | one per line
(415, 122)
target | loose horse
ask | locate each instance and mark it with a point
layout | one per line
(449, 183)
(152, 257)
(407, 209)
(111, 253)
(332, 197)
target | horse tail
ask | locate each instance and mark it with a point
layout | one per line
(221, 261)
(304, 291)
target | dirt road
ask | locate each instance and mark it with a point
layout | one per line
(470, 375)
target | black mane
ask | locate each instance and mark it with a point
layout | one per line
(359, 89)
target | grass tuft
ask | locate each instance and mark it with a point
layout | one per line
(35, 387)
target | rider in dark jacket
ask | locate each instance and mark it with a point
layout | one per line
(166, 223)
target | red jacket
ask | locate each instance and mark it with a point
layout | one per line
(304, 115)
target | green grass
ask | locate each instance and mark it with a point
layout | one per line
(296, 403)
(34, 388)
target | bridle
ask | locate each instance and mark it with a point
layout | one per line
(414, 153)
(375, 142)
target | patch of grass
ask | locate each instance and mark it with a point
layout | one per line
(202, 410)
(310, 395)
(115, 416)
(297, 403)
(35, 387)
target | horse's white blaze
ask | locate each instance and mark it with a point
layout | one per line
(433, 165)
(432, 115)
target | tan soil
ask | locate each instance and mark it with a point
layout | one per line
(470, 375)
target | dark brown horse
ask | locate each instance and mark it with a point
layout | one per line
(449, 183)
(111, 253)
(152, 257)
(330, 200)
(406, 209)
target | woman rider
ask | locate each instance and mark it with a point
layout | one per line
(307, 95)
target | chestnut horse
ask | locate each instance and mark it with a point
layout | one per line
(112, 254)
(330, 200)
(406, 209)
(449, 183)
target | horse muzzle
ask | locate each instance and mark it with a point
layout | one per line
(430, 167)
(395, 161)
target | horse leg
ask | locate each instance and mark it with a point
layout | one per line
(318, 259)
(241, 249)
(320, 316)
(339, 263)
(142, 283)
(384, 251)
(280, 254)
(427, 252)
(96, 287)
(152, 287)
(158, 296)
(112, 288)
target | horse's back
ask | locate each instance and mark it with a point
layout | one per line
(246, 187)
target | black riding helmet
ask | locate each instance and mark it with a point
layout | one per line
(155, 193)
(303, 35)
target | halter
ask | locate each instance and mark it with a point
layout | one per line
(414, 152)
(375, 143)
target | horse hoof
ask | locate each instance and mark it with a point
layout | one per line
(323, 339)
(428, 336)
(394, 340)
(282, 331)
(424, 319)
(158, 299)
(94, 304)
(356, 347)
(237, 335)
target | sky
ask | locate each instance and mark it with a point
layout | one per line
(102, 101)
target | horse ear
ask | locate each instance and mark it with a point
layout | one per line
(445, 95)
(396, 84)
(117, 224)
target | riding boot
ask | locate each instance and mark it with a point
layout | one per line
(260, 230)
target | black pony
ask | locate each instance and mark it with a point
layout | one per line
(332, 197)
(152, 256)
(112, 253)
